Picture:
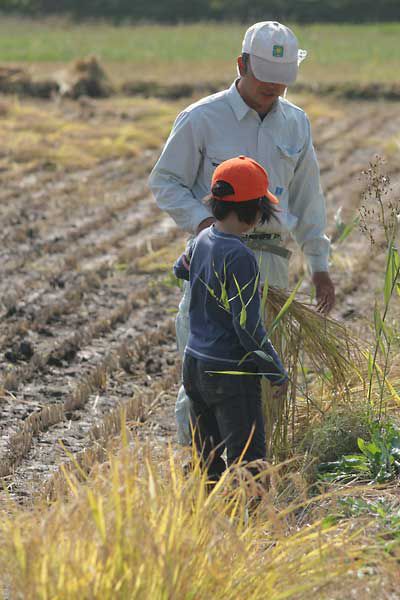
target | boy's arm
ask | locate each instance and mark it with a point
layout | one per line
(182, 265)
(244, 301)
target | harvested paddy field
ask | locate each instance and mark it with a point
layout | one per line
(95, 500)
(87, 301)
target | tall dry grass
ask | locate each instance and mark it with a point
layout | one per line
(141, 529)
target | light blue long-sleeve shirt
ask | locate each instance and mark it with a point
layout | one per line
(223, 126)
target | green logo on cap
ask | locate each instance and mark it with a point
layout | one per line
(277, 51)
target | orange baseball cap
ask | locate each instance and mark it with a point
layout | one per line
(248, 179)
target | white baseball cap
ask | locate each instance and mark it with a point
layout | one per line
(274, 52)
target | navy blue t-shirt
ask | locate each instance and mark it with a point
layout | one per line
(226, 327)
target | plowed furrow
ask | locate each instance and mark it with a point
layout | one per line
(90, 438)
(338, 160)
(27, 245)
(58, 196)
(103, 229)
(69, 308)
(100, 358)
(99, 249)
(75, 331)
(357, 115)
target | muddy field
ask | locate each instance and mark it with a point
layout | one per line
(87, 302)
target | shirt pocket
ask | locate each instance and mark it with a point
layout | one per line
(288, 159)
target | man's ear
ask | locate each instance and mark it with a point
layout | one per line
(240, 66)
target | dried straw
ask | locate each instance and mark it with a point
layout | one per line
(308, 342)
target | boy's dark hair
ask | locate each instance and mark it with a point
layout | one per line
(246, 211)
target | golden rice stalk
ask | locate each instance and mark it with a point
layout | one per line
(311, 343)
(141, 528)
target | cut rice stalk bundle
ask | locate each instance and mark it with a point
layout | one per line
(315, 349)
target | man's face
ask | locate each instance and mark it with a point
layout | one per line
(259, 95)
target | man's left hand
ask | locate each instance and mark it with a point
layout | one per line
(325, 291)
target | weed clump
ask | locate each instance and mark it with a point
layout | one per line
(336, 433)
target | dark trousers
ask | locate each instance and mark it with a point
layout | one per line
(224, 410)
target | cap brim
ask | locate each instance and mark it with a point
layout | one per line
(273, 72)
(273, 199)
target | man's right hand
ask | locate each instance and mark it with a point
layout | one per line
(206, 223)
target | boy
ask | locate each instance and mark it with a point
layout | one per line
(226, 328)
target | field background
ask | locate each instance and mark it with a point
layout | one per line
(203, 52)
(87, 307)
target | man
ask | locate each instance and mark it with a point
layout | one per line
(250, 118)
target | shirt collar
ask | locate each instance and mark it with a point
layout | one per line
(239, 106)
(213, 231)
(278, 108)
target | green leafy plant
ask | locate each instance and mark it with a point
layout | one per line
(342, 229)
(377, 462)
(382, 511)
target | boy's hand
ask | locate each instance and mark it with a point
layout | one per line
(279, 392)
